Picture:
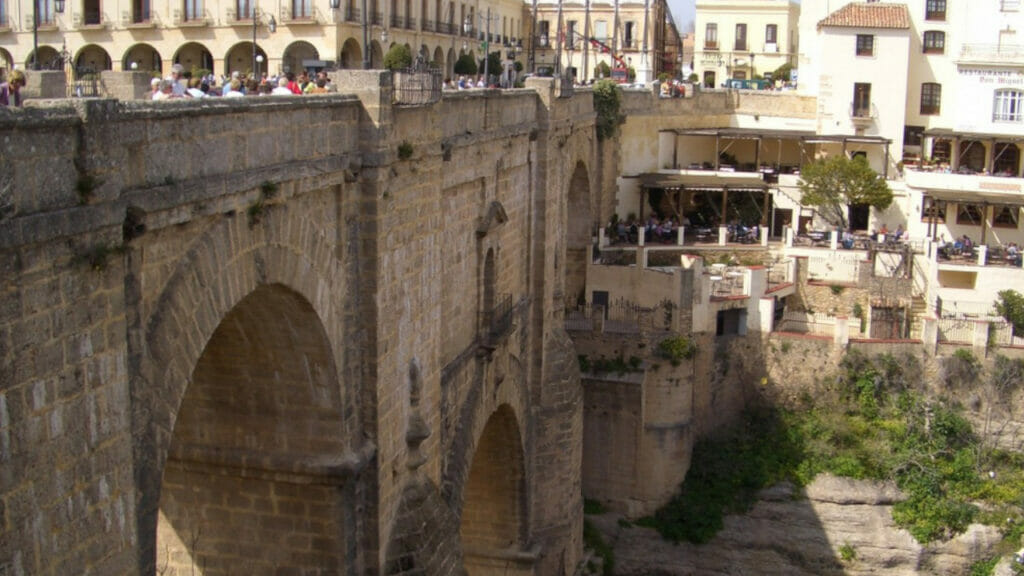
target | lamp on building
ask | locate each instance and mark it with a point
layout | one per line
(257, 18)
(751, 65)
(335, 4)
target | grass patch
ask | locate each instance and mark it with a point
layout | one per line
(593, 540)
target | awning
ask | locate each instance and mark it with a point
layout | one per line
(947, 134)
(971, 197)
(806, 136)
(704, 182)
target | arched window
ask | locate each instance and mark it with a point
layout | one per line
(931, 98)
(934, 42)
(1007, 105)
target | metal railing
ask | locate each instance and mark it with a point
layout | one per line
(999, 52)
(862, 112)
(419, 85)
(352, 14)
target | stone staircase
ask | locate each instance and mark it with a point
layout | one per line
(918, 309)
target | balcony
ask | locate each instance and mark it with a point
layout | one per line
(992, 53)
(863, 114)
(710, 45)
(771, 48)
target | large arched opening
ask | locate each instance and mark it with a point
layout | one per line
(246, 488)
(49, 59)
(91, 59)
(578, 236)
(240, 59)
(493, 521)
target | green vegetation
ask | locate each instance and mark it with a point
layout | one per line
(618, 365)
(1010, 306)
(607, 104)
(405, 150)
(874, 420)
(984, 567)
(676, 349)
(398, 57)
(593, 507)
(593, 540)
(465, 65)
(833, 183)
(836, 289)
(847, 553)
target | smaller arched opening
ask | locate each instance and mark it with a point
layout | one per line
(351, 55)
(376, 55)
(297, 55)
(438, 61)
(6, 63)
(145, 58)
(493, 523)
(49, 59)
(91, 60)
(240, 59)
(578, 239)
(195, 58)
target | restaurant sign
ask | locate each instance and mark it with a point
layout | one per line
(998, 76)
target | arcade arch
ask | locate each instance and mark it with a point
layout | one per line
(295, 54)
(194, 56)
(351, 55)
(145, 57)
(578, 234)
(239, 59)
(91, 59)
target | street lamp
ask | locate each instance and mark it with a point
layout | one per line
(257, 16)
(259, 62)
(59, 7)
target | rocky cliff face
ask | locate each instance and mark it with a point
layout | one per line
(792, 532)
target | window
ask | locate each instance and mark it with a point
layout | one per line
(570, 35)
(1006, 160)
(543, 34)
(45, 8)
(601, 31)
(627, 41)
(302, 9)
(1007, 106)
(741, 37)
(193, 10)
(1005, 216)
(3, 13)
(861, 100)
(711, 36)
(771, 34)
(935, 10)
(931, 98)
(934, 42)
(865, 45)
(244, 9)
(968, 214)
(913, 135)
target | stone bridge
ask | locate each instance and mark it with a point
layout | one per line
(317, 335)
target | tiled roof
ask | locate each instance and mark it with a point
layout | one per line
(868, 15)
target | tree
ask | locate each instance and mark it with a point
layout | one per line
(465, 65)
(398, 57)
(783, 72)
(494, 66)
(602, 70)
(1011, 307)
(832, 184)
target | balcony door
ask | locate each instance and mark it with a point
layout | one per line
(862, 100)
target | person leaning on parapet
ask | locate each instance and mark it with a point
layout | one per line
(10, 91)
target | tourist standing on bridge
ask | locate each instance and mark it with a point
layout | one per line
(10, 91)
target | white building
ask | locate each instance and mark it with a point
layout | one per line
(741, 39)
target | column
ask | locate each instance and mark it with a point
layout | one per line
(841, 335)
(833, 240)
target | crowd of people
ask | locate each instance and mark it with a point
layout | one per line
(178, 84)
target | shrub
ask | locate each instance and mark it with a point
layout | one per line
(465, 65)
(1010, 306)
(677, 349)
(607, 104)
(398, 57)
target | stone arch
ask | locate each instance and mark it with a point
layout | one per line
(194, 55)
(450, 62)
(438, 61)
(6, 61)
(49, 59)
(239, 59)
(579, 231)
(209, 282)
(376, 55)
(295, 53)
(246, 485)
(91, 59)
(351, 55)
(493, 520)
(145, 56)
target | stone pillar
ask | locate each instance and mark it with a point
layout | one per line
(602, 240)
(787, 234)
(125, 85)
(841, 335)
(680, 234)
(833, 240)
(641, 233)
(764, 235)
(723, 235)
(881, 238)
(979, 340)
(930, 334)
(982, 254)
(45, 84)
(641, 259)
(766, 309)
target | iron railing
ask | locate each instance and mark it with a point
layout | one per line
(352, 14)
(419, 85)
